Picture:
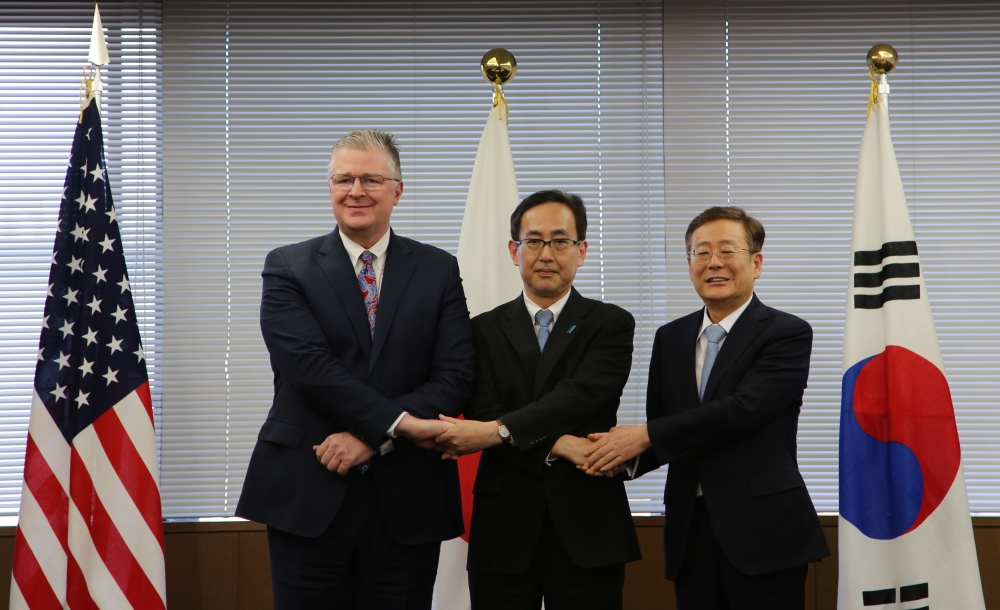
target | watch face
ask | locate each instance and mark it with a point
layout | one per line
(503, 432)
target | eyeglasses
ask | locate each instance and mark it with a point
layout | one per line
(345, 182)
(702, 257)
(559, 244)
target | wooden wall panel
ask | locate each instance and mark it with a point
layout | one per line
(987, 533)
(6, 563)
(645, 586)
(224, 566)
(202, 569)
(825, 592)
(254, 572)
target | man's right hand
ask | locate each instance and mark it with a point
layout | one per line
(422, 431)
(574, 449)
(342, 451)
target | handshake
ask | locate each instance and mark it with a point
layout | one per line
(601, 454)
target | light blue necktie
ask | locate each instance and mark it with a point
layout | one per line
(715, 333)
(543, 317)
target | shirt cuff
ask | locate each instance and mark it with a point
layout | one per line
(392, 429)
(386, 447)
(550, 458)
(630, 469)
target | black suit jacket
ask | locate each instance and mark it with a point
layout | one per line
(739, 442)
(330, 376)
(573, 387)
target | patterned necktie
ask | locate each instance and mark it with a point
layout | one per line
(543, 317)
(715, 333)
(369, 288)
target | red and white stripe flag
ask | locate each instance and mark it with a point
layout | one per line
(90, 532)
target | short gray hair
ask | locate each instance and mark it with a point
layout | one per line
(369, 139)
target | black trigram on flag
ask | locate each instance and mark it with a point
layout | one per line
(877, 278)
(908, 593)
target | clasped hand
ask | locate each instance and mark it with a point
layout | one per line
(600, 454)
(342, 451)
(615, 449)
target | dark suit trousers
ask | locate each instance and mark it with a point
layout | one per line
(708, 581)
(552, 575)
(354, 564)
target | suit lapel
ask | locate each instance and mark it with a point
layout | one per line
(518, 327)
(399, 266)
(686, 370)
(339, 270)
(570, 319)
(746, 329)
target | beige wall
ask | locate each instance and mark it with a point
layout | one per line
(223, 566)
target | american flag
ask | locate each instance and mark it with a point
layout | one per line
(90, 533)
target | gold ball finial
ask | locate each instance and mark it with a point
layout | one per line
(498, 65)
(882, 58)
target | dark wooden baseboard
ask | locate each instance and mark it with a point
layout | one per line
(224, 566)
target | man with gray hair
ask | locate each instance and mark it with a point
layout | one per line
(370, 341)
(722, 407)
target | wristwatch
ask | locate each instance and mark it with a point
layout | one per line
(503, 432)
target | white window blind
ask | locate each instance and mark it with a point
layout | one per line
(43, 48)
(765, 107)
(255, 95)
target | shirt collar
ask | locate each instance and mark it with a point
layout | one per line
(727, 322)
(355, 250)
(556, 308)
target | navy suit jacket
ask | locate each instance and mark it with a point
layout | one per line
(331, 375)
(573, 387)
(739, 442)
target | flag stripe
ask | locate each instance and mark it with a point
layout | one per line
(142, 393)
(911, 593)
(128, 522)
(892, 248)
(50, 441)
(879, 597)
(107, 541)
(46, 491)
(17, 601)
(28, 575)
(131, 471)
(135, 415)
(890, 271)
(891, 293)
(78, 591)
(43, 542)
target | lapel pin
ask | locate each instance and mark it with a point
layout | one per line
(570, 329)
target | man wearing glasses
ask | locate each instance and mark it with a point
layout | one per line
(370, 341)
(725, 389)
(550, 368)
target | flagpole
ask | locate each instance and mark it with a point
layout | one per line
(489, 278)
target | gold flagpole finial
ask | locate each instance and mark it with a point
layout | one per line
(499, 68)
(882, 59)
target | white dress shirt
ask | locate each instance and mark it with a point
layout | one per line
(378, 249)
(556, 309)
